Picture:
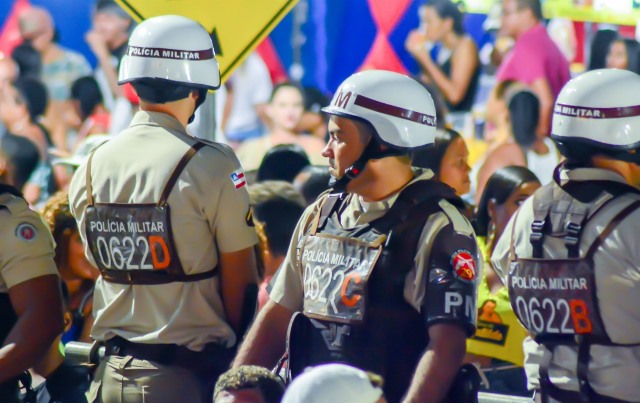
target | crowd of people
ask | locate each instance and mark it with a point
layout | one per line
(375, 250)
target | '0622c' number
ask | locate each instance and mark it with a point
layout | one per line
(554, 316)
(318, 280)
(132, 253)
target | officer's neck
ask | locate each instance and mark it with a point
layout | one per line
(181, 109)
(381, 179)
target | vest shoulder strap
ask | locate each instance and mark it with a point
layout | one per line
(420, 199)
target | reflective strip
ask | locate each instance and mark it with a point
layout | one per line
(162, 53)
(395, 111)
(596, 113)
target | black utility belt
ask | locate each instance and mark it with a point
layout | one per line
(153, 277)
(172, 354)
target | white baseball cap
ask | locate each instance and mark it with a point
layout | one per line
(332, 383)
(82, 151)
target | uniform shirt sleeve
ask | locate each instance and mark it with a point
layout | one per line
(78, 206)
(500, 256)
(231, 222)
(286, 285)
(27, 244)
(443, 285)
(451, 281)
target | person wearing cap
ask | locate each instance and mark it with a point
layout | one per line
(164, 216)
(31, 314)
(382, 270)
(335, 383)
(569, 256)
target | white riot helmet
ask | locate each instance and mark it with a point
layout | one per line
(172, 48)
(399, 110)
(398, 107)
(599, 112)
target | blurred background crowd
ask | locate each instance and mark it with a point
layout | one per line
(494, 77)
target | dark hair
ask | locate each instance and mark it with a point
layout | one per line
(524, 113)
(499, 187)
(287, 84)
(33, 94)
(87, 92)
(279, 217)
(632, 48)
(22, 155)
(160, 91)
(448, 9)
(533, 5)
(282, 162)
(316, 183)
(28, 59)
(431, 158)
(600, 48)
(251, 377)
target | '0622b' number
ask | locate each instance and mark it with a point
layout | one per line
(133, 253)
(554, 316)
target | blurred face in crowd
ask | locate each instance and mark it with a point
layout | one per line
(12, 109)
(454, 169)
(110, 25)
(500, 214)
(436, 27)
(346, 144)
(36, 27)
(512, 18)
(286, 108)
(79, 266)
(8, 72)
(617, 56)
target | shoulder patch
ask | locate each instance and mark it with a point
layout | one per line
(26, 232)
(237, 177)
(249, 217)
(464, 267)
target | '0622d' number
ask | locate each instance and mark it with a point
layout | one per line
(554, 316)
(133, 253)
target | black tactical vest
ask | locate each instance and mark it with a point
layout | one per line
(556, 299)
(133, 243)
(354, 308)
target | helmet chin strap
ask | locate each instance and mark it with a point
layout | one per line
(371, 152)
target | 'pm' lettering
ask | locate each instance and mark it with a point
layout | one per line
(453, 300)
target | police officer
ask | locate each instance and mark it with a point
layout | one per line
(163, 215)
(570, 255)
(384, 266)
(30, 299)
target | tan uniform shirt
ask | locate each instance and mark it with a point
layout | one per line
(208, 216)
(26, 245)
(288, 287)
(613, 371)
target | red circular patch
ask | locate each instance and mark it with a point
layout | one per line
(463, 265)
(26, 231)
